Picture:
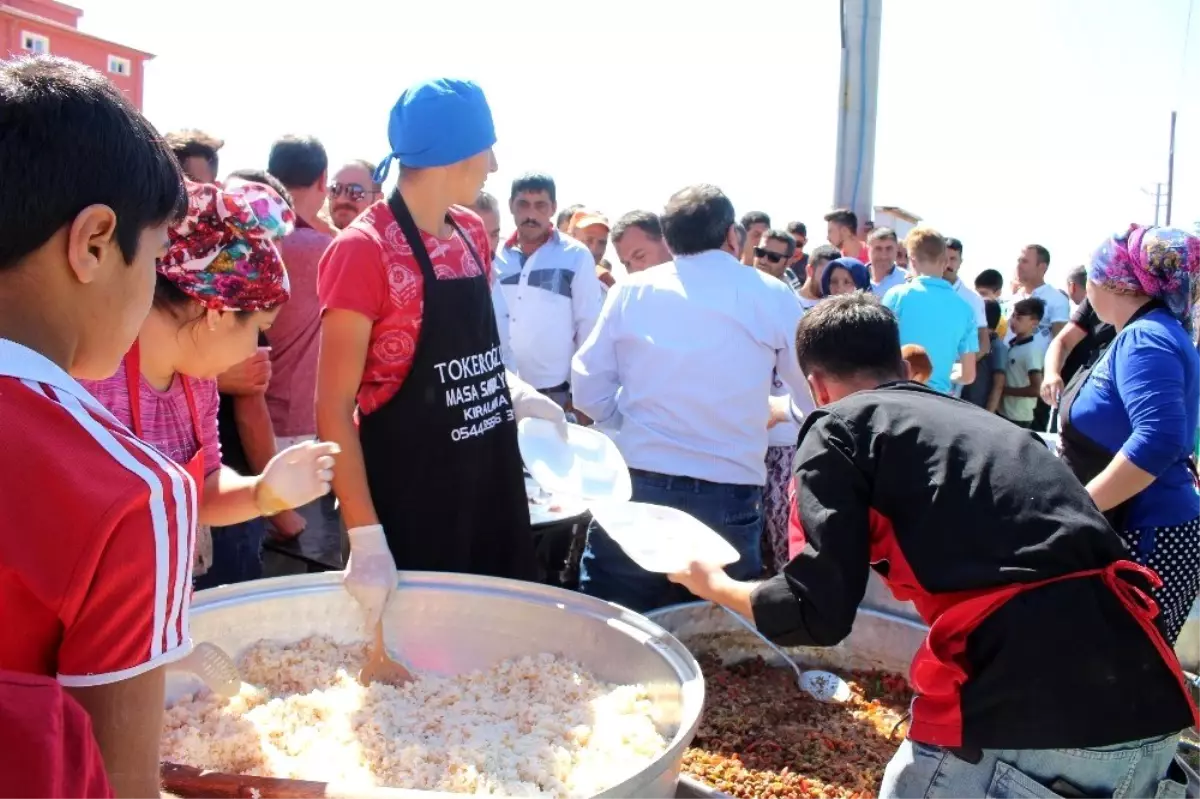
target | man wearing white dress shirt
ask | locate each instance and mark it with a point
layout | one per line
(550, 288)
(954, 253)
(685, 354)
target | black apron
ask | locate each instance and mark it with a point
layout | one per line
(1087, 458)
(441, 455)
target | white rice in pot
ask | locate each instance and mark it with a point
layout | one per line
(534, 726)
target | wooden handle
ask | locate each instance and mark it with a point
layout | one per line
(188, 782)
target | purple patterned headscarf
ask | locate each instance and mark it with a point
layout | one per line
(1161, 262)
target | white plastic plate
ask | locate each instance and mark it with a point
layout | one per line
(587, 465)
(661, 539)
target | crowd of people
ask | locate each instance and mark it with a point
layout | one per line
(190, 363)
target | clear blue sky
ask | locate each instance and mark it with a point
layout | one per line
(999, 123)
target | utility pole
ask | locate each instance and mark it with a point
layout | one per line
(1157, 194)
(854, 175)
(1171, 170)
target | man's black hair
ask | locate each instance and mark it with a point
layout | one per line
(798, 229)
(849, 335)
(1030, 306)
(844, 217)
(193, 143)
(1043, 255)
(486, 202)
(535, 182)
(826, 252)
(564, 216)
(1078, 276)
(991, 309)
(645, 221)
(990, 279)
(785, 237)
(266, 178)
(954, 244)
(697, 219)
(298, 161)
(755, 218)
(70, 139)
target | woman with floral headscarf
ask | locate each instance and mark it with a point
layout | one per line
(1129, 422)
(219, 284)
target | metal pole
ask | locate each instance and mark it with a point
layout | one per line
(854, 174)
(1157, 201)
(1171, 170)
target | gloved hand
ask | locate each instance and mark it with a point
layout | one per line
(370, 574)
(529, 403)
(295, 477)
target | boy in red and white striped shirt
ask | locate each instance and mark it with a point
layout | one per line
(95, 526)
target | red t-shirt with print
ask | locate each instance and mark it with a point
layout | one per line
(370, 269)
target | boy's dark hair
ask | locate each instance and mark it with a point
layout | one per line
(753, 218)
(954, 244)
(850, 335)
(991, 309)
(645, 221)
(1030, 306)
(844, 217)
(535, 182)
(298, 161)
(990, 279)
(266, 178)
(70, 139)
(797, 229)
(785, 237)
(697, 219)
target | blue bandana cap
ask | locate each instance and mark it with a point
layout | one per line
(437, 123)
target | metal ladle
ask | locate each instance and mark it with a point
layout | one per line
(822, 686)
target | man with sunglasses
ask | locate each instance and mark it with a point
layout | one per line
(351, 192)
(774, 252)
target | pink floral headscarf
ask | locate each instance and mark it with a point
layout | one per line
(224, 252)
(1160, 262)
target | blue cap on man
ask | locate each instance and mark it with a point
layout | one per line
(437, 123)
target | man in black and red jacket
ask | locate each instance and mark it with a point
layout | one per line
(1042, 666)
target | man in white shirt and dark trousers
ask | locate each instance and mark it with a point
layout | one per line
(685, 354)
(549, 287)
(1032, 265)
(883, 247)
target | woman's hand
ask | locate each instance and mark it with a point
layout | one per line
(1052, 388)
(295, 477)
(370, 575)
(251, 376)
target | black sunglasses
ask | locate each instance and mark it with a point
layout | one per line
(773, 257)
(353, 191)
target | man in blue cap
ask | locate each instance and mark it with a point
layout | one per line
(430, 477)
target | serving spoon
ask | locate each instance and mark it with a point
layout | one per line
(380, 667)
(823, 686)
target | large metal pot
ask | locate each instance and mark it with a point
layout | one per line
(878, 640)
(450, 623)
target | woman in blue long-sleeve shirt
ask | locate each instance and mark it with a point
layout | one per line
(1130, 422)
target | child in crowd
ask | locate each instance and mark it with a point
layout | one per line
(932, 314)
(93, 588)
(1023, 373)
(988, 388)
(919, 367)
(989, 284)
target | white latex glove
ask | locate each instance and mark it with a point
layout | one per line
(295, 477)
(529, 403)
(370, 574)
